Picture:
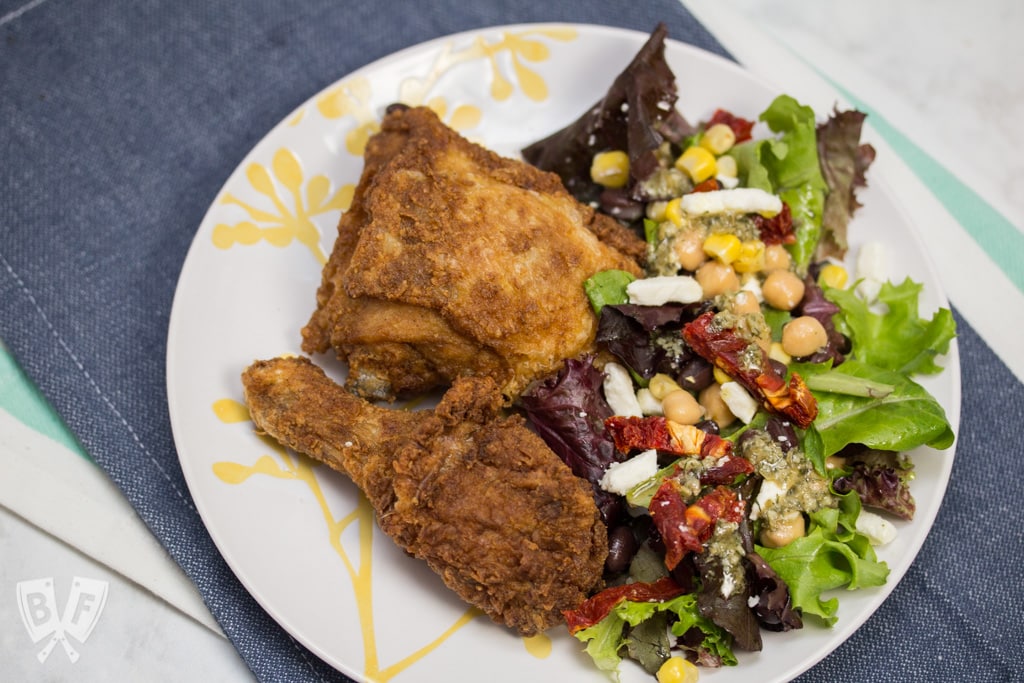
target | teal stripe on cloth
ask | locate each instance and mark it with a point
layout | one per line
(995, 234)
(20, 398)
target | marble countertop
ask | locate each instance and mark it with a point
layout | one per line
(941, 67)
(946, 70)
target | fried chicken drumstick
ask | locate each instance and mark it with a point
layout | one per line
(477, 496)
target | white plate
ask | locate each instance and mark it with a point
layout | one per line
(298, 537)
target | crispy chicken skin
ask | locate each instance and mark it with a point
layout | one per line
(454, 261)
(477, 496)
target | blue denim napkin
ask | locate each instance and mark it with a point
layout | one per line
(120, 121)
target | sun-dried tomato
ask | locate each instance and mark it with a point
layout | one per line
(723, 348)
(725, 470)
(645, 433)
(597, 607)
(778, 229)
(684, 528)
(740, 127)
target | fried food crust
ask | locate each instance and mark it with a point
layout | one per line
(454, 261)
(477, 496)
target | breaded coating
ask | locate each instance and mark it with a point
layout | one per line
(454, 261)
(477, 496)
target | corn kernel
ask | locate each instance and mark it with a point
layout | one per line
(721, 376)
(727, 167)
(751, 257)
(776, 352)
(718, 139)
(833, 275)
(674, 212)
(698, 163)
(661, 385)
(610, 169)
(678, 670)
(723, 246)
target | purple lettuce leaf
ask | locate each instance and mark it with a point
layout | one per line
(636, 115)
(647, 339)
(568, 412)
(732, 613)
(774, 609)
(844, 162)
(881, 480)
(641, 337)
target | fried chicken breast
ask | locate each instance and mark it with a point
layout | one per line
(477, 496)
(453, 260)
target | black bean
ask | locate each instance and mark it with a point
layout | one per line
(708, 427)
(782, 432)
(696, 374)
(622, 546)
(778, 366)
(619, 204)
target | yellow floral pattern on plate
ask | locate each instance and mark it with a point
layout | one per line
(287, 221)
(352, 97)
(291, 221)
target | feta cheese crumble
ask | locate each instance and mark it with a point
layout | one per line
(878, 529)
(871, 270)
(663, 289)
(618, 391)
(620, 477)
(737, 200)
(770, 491)
(740, 403)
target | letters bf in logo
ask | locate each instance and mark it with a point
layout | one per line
(38, 608)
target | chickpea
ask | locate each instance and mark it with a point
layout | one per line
(680, 406)
(689, 250)
(803, 336)
(714, 407)
(745, 302)
(716, 278)
(776, 258)
(784, 531)
(783, 290)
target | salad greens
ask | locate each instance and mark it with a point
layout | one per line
(844, 161)
(788, 166)
(897, 339)
(831, 555)
(766, 507)
(903, 419)
(607, 287)
(606, 639)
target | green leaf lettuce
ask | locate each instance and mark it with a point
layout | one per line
(605, 639)
(788, 166)
(898, 339)
(832, 555)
